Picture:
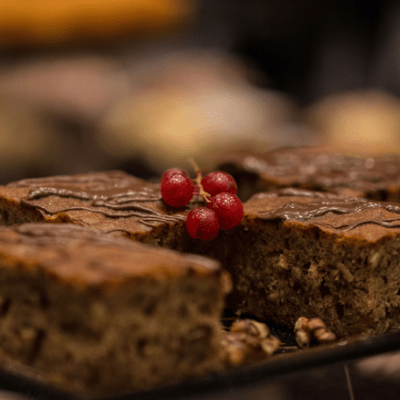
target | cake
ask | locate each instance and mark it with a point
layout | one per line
(316, 254)
(317, 169)
(296, 253)
(365, 121)
(97, 315)
(112, 201)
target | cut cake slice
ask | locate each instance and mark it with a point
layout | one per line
(315, 168)
(111, 201)
(314, 254)
(99, 315)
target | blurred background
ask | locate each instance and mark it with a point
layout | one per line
(143, 85)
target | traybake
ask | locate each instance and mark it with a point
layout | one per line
(295, 253)
(94, 314)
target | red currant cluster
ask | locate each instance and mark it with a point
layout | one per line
(223, 210)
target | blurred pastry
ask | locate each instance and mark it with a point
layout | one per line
(46, 22)
(194, 108)
(77, 87)
(28, 143)
(360, 122)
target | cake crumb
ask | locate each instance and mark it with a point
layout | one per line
(346, 273)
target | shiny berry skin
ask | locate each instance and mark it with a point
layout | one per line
(228, 208)
(217, 182)
(202, 223)
(176, 187)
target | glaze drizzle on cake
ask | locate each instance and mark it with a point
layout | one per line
(113, 194)
(324, 203)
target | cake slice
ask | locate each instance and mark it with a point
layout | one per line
(111, 201)
(376, 178)
(300, 253)
(98, 315)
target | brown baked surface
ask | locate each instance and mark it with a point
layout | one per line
(314, 254)
(97, 314)
(317, 169)
(111, 201)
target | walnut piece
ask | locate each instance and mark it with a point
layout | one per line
(247, 341)
(308, 330)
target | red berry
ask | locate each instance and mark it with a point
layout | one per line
(228, 208)
(176, 187)
(202, 223)
(217, 182)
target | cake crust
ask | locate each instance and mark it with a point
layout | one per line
(111, 201)
(90, 259)
(353, 219)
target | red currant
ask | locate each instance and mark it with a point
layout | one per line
(228, 208)
(202, 223)
(176, 187)
(217, 182)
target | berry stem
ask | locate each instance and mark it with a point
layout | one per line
(198, 179)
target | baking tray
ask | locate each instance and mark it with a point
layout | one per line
(323, 372)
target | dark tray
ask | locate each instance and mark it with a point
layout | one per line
(354, 370)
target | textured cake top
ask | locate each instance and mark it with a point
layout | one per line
(86, 257)
(108, 201)
(316, 168)
(354, 217)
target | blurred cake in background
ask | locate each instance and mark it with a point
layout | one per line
(365, 122)
(196, 103)
(28, 143)
(78, 87)
(46, 22)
